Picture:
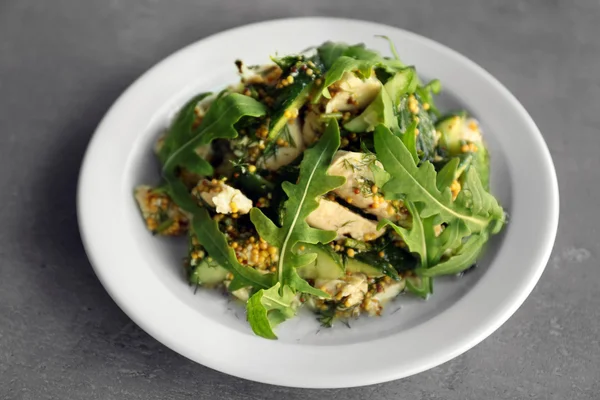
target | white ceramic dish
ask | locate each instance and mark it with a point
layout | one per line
(143, 273)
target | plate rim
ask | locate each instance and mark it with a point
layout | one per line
(516, 302)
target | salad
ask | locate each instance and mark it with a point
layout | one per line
(327, 180)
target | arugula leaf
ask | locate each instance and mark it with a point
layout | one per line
(402, 83)
(343, 64)
(213, 240)
(418, 184)
(331, 51)
(267, 308)
(217, 123)
(446, 175)
(474, 197)
(380, 175)
(392, 46)
(463, 259)
(423, 240)
(380, 111)
(409, 138)
(426, 94)
(181, 130)
(414, 237)
(302, 200)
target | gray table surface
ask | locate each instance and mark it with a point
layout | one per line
(62, 63)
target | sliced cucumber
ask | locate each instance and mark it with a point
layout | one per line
(355, 266)
(207, 273)
(327, 265)
(455, 133)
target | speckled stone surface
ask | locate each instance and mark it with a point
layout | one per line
(63, 62)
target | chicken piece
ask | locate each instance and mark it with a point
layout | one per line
(162, 216)
(312, 128)
(358, 189)
(352, 93)
(284, 155)
(349, 290)
(332, 216)
(226, 199)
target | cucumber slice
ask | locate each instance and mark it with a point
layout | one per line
(328, 264)
(208, 273)
(355, 266)
(455, 133)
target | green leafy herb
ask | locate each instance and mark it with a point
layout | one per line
(446, 175)
(217, 123)
(414, 237)
(426, 94)
(380, 111)
(464, 258)
(215, 243)
(313, 182)
(331, 51)
(267, 308)
(418, 184)
(392, 46)
(402, 83)
(380, 175)
(180, 131)
(362, 68)
(302, 200)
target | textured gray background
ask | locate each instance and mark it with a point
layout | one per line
(62, 63)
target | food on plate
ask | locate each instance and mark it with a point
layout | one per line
(327, 179)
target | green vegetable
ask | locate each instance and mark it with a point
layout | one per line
(374, 261)
(464, 258)
(426, 93)
(403, 82)
(253, 185)
(414, 237)
(180, 132)
(420, 286)
(357, 244)
(447, 174)
(207, 273)
(268, 308)
(327, 265)
(289, 98)
(392, 46)
(380, 111)
(330, 51)
(362, 68)
(454, 135)
(354, 266)
(426, 137)
(218, 122)
(313, 182)
(380, 175)
(475, 212)
(215, 243)
(418, 184)
(339, 58)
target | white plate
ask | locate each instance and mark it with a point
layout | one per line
(143, 274)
